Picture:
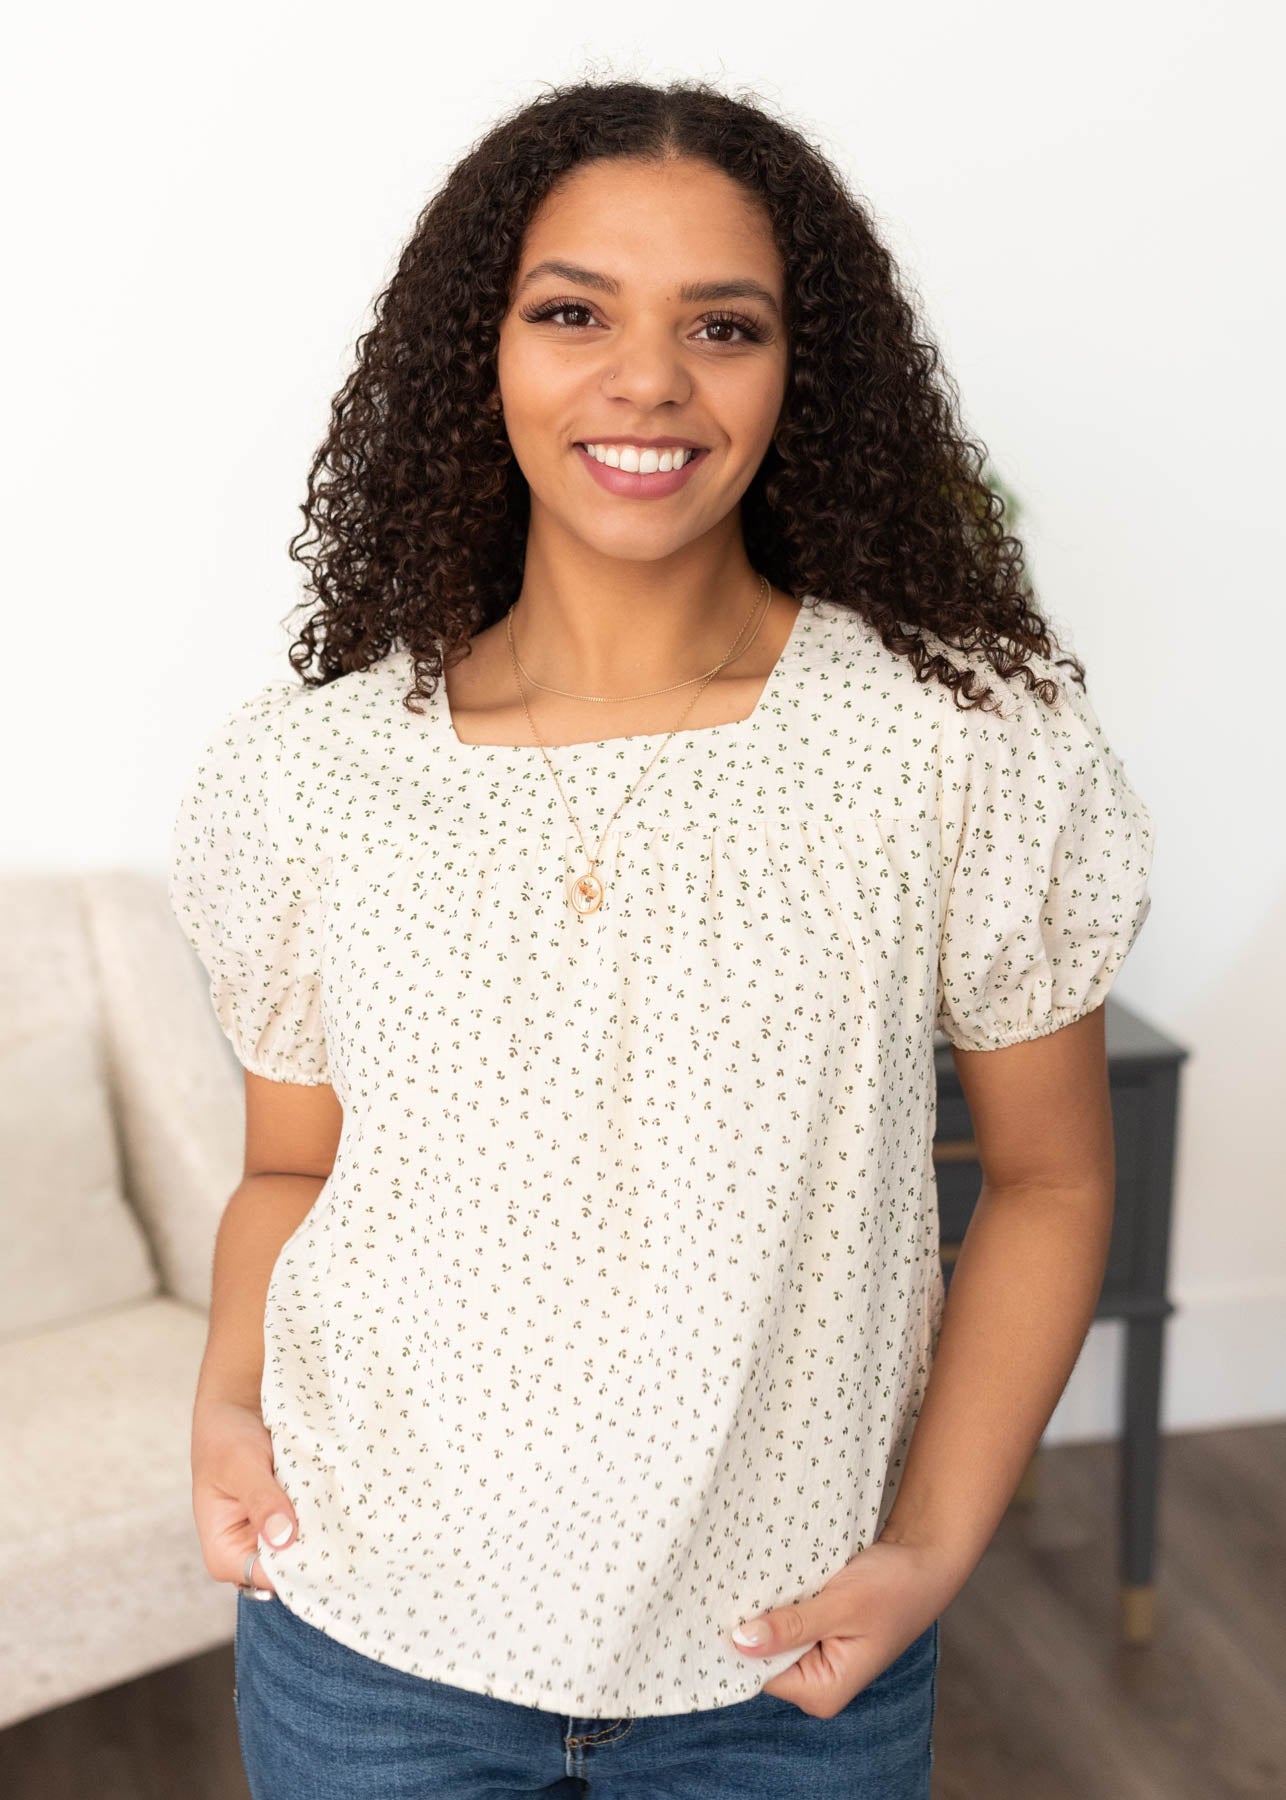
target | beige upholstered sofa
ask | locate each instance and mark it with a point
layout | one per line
(121, 1120)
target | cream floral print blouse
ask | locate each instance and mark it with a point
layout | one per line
(610, 1327)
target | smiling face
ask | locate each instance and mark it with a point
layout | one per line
(646, 316)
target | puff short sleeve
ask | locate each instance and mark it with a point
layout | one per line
(245, 893)
(1049, 887)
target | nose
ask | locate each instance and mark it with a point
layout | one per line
(645, 367)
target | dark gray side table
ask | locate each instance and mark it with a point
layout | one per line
(1143, 1069)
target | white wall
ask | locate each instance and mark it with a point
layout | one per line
(203, 203)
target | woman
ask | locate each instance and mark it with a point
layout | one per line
(678, 745)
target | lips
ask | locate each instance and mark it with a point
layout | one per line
(631, 485)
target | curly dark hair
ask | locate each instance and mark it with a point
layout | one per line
(870, 495)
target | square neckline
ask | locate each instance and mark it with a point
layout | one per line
(764, 703)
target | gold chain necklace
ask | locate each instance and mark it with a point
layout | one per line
(585, 893)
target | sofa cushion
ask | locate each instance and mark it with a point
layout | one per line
(177, 1085)
(72, 1243)
(100, 1562)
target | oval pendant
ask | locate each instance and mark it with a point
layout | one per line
(586, 893)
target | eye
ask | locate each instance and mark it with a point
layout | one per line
(551, 310)
(737, 320)
(720, 321)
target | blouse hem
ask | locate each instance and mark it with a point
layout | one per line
(567, 1704)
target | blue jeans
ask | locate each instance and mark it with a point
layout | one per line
(319, 1721)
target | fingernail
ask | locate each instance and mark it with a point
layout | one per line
(277, 1529)
(747, 1635)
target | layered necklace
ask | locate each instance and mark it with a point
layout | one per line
(585, 891)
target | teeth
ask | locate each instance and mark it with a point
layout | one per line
(638, 460)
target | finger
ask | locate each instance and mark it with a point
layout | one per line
(246, 1473)
(789, 1627)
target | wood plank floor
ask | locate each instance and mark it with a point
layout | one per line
(1037, 1699)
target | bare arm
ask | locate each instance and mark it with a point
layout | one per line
(292, 1133)
(1024, 1288)
(262, 1213)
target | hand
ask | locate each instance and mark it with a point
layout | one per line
(861, 1621)
(235, 1496)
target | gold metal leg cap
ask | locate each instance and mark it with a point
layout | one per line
(1138, 1614)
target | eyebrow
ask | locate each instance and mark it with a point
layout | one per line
(739, 287)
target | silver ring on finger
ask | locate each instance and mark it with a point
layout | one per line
(247, 1582)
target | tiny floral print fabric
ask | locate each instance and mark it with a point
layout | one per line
(610, 1327)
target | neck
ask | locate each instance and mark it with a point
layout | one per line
(621, 642)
